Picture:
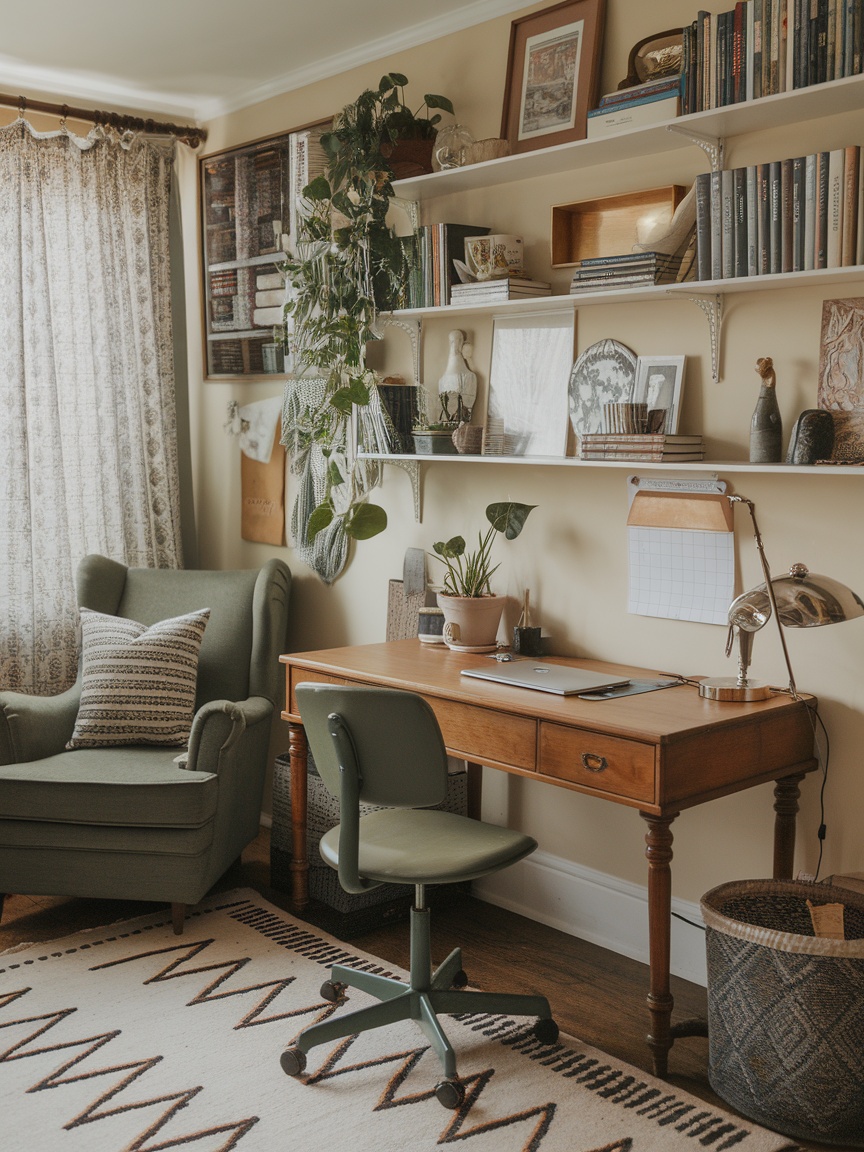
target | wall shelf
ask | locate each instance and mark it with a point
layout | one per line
(714, 466)
(782, 109)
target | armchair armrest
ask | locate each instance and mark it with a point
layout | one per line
(32, 727)
(219, 724)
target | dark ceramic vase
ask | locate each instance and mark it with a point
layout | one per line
(766, 429)
(812, 437)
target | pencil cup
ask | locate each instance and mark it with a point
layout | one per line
(526, 641)
(628, 418)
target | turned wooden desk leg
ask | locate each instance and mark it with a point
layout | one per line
(786, 793)
(297, 747)
(475, 789)
(659, 853)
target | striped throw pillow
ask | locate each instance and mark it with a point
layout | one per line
(137, 683)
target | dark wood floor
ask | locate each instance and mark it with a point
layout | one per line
(596, 995)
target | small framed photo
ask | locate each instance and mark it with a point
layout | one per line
(659, 380)
(553, 72)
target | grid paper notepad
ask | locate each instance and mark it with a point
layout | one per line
(682, 574)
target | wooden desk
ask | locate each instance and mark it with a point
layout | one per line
(659, 753)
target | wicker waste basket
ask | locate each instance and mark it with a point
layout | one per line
(786, 1008)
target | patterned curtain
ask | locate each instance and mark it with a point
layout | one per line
(88, 451)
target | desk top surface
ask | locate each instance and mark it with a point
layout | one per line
(656, 717)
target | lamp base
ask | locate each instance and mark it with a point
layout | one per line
(728, 690)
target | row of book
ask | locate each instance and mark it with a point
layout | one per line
(784, 216)
(762, 47)
(651, 446)
(627, 270)
(431, 252)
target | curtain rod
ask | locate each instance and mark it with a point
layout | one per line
(189, 133)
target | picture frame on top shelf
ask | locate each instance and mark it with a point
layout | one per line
(553, 73)
(659, 382)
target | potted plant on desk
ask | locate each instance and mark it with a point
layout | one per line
(472, 612)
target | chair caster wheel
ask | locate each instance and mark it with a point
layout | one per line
(293, 1061)
(332, 990)
(450, 1093)
(460, 979)
(546, 1031)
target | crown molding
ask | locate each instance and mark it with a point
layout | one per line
(413, 37)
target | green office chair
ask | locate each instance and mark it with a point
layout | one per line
(384, 747)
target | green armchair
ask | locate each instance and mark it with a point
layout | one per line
(131, 822)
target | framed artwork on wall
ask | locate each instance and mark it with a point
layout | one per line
(659, 380)
(553, 71)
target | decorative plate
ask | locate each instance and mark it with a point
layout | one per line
(605, 373)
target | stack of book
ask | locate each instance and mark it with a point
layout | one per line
(655, 447)
(629, 270)
(507, 288)
(648, 103)
(762, 47)
(784, 216)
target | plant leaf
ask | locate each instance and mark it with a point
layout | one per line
(317, 189)
(366, 521)
(322, 517)
(508, 517)
(452, 548)
(439, 102)
(334, 475)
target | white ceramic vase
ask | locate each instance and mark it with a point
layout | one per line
(471, 621)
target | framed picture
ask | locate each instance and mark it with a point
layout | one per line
(553, 71)
(531, 358)
(658, 384)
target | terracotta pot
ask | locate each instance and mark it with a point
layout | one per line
(409, 157)
(471, 621)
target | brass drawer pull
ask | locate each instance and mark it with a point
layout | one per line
(594, 763)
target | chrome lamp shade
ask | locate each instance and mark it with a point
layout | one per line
(803, 599)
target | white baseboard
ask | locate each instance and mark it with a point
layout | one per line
(596, 907)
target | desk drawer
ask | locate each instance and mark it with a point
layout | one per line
(601, 763)
(486, 736)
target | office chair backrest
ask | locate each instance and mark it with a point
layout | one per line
(393, 736)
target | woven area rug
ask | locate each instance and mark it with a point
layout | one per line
(132, 1039)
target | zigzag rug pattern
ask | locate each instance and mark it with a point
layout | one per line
(131, 1039)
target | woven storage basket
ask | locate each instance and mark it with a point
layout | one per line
(786, 1008)
(366, 909)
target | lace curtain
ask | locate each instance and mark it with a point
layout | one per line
(88, 451)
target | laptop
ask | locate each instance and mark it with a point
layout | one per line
(558, 678)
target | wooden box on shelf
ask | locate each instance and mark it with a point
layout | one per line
(609, 225)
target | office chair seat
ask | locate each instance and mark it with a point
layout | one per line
(415, 846)
(383, 747)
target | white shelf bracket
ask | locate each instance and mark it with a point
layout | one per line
(712, 308)
(713, 147)
(412, 467)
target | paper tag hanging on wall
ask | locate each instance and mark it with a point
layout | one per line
(262, 470)
(262, 497)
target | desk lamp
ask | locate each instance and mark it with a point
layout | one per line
(803, 599)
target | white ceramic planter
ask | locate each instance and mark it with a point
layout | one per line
(471, 621)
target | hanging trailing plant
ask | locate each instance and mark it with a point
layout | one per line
(346, 265)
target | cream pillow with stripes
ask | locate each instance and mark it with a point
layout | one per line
(137, 683)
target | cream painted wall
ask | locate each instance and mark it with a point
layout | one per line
(573, 552)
